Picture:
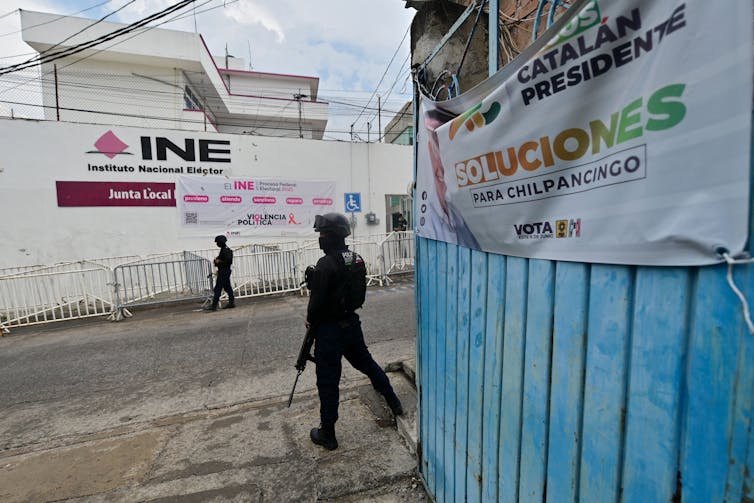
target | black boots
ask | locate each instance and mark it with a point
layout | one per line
(213, 307)
(395, 404)
(324, 436)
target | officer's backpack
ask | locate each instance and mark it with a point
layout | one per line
(355, 281)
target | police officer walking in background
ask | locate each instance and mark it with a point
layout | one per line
(338, 287)
(223, 261)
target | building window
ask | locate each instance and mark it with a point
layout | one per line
(406, 137)
(400, 209)
(190, 100)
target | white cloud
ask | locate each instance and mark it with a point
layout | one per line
(347, 43)
(248, 13)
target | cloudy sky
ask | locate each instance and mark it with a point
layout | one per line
(348, 44)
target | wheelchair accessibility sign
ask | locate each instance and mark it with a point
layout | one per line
(353, 202)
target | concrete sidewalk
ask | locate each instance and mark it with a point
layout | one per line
(237, 441)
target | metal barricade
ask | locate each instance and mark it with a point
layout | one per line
(264, 273)
(369, 249)
(161, 280)
(396, 254)
(13, 271)
(65, 292)
(41, 294)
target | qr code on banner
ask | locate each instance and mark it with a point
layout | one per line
(191, 218)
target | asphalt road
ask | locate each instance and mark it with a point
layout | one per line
(175, 404)
(176, 345)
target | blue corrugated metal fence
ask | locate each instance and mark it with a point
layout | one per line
(559, 381)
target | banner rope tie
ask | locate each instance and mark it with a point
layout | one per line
(731, 262)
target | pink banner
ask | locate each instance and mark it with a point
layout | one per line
(115, 194)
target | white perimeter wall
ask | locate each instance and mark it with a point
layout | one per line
(37, 154)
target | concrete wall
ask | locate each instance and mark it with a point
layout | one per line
(37, 154)
(107, 92)
(256, 84)
(430, 24)
(403, 119)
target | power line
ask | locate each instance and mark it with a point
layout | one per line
(92, 84)
(69, 37)
(52, 20)
(386, 70)
(101, 50)
(401, 71)
(279, 122)
(142, 29)
(94, 42)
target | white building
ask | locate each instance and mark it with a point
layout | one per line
(166, 79)
(135, 118)
(55, 179)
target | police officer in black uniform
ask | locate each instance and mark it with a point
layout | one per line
(337, 331)
(223, 261)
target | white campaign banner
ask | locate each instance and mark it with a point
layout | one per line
(253, 206)
(620, 136)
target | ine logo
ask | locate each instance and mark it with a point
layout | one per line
(157, 148)
(110, 145)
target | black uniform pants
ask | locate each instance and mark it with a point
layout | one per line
(223, 283)
(331, 342)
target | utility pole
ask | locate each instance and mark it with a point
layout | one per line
(57, 94)
(351, 132)
(379, 119)
(369, 128)
(298, 97)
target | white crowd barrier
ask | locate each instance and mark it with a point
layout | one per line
(160, 280)
(111, 286)
(54, 294)
(397, 254)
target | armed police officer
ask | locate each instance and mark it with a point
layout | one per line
(338, 288)
(223, 261)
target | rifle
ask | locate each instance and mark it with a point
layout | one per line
(304, 354)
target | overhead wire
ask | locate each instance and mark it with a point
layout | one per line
(398, 75)
(386, 70)
(145, 29)
(396, 122)
(129, 87)
(98, 21)
(293, 128)
(84, 86)
(142, 29)
(62, 16)
(48, 58)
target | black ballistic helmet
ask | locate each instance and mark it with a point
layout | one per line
(221, 239)
(332, 222)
